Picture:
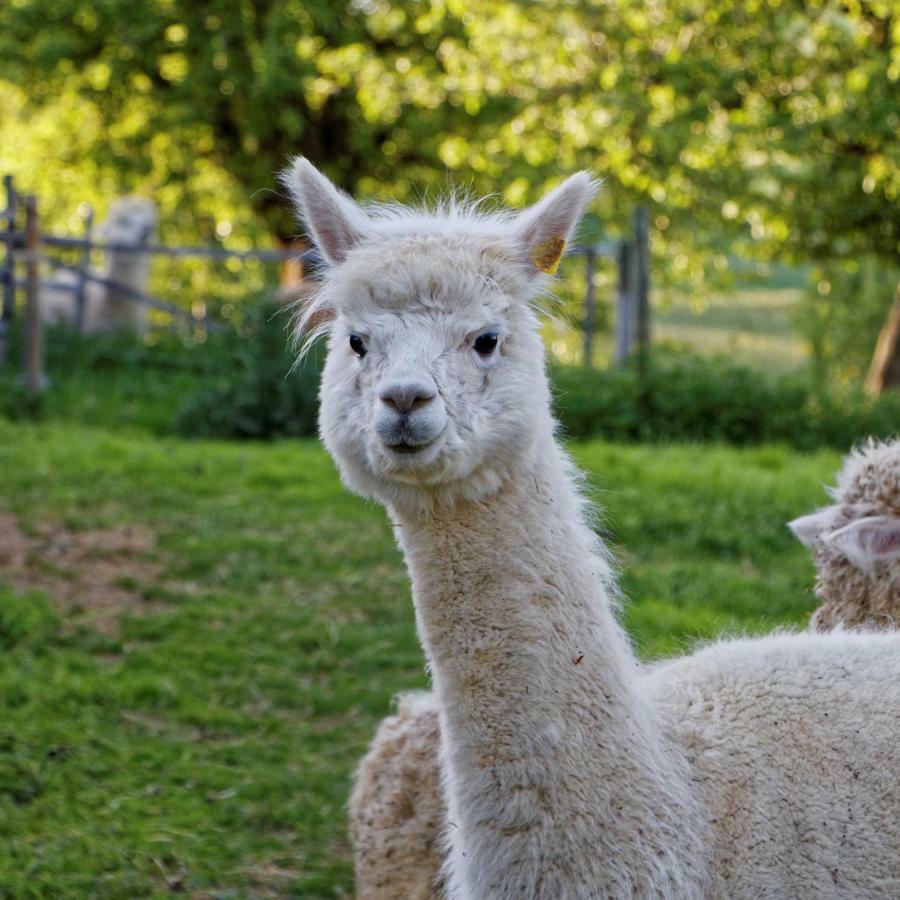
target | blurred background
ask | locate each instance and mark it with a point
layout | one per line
(200, 631)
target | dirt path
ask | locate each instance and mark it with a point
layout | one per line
(93, 576)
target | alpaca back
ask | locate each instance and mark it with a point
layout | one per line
(793, 746)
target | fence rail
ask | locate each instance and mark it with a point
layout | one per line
(28, 246)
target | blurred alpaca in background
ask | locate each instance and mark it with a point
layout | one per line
(131, 222)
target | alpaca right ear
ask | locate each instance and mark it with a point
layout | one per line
(868, 541)
(808, 528)
(543, 229)
(334, 221)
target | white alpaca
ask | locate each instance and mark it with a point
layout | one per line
(856, 542)
(570, 770)
(131, 222)
(397, 813)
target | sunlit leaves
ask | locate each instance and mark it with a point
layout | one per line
(767, 127)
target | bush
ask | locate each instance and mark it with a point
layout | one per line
(687, 398)
(256, 393)
(239, 383)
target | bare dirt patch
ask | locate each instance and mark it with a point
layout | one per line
(93, 576)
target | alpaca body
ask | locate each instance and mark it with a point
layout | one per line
(397, 811)
(571, 772)
(731, 774)
(791, 744)
(131, 222)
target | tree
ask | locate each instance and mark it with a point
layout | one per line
(768, 127)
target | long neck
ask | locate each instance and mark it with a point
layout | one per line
(131, 270)
(554, 759)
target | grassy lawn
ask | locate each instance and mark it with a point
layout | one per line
(182, 707)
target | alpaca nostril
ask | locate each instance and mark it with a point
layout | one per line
(407, 396)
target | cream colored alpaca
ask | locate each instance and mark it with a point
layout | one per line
(396, 809)
(570, 770)
(131, 222)
(856, 542)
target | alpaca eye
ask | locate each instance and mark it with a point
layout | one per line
(358, 345)
(485, 343)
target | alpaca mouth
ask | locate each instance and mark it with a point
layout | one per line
(408, 448)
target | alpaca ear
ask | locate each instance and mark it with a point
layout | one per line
(807, 528)
(334, 221)
(868, 541)
(543, 229)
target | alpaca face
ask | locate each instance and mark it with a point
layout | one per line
(863, 527)
(435, 368)
(434, 386)
(130, 221)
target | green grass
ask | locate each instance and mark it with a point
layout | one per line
(208, 747)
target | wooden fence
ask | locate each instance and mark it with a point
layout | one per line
(26, 249)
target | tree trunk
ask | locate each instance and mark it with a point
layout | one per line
(884, 372)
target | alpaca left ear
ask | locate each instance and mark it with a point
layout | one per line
(868, 541)
(542, 230)
(807, 528)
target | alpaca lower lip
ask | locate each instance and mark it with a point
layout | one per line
(403, 447)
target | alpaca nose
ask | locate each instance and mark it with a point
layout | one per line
(406, 396)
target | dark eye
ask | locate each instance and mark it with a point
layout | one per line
(485, 343)
(358, 345)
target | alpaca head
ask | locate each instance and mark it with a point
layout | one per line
(434, 386)
(130, 221)
(856, 541)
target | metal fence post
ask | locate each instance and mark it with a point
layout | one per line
(9, 268)
(35, 380)
(624, 304)
(81, 283)
(641, 285)
(589, 308)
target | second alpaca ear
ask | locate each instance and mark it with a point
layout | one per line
(808, 528)
(868, 541)
(334, 221)
(543, 229)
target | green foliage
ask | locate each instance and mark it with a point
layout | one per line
(208, 747)
(237, 382)
(842, 315)
(687, 398)
(770, 129)
(256, 393)
(240, 384)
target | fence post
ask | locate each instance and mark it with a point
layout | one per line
(81, 284)
(35, 380)
(589, 309)
(9, 268)
(641, 285)
(624, 305)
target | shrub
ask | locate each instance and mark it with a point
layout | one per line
(699, 399)
(239, 383)
(256, 393)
